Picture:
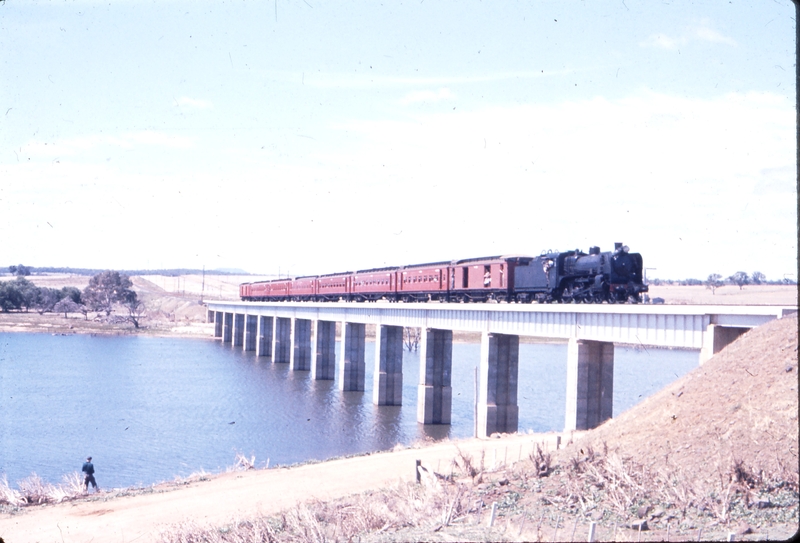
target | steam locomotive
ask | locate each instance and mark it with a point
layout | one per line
(568, 277)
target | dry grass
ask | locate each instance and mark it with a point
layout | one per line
(531, 500)
(34, 491)
(438, 502)
(243, 463)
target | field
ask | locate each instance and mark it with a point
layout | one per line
(727, 295)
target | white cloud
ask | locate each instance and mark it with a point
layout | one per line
(708, 34)
(697, 33)
(185, 101)
(427, 96)
(160, 139)
(651, 169)
(692, 184)
(367, 80)
(84, 144)
(663, 41)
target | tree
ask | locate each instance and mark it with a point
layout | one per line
(106, 289)
(714, 281)
(739, 278)
(73, 293)
(67, 305)
(29, 292)
(46, 299)
(19, 270)
(136, 308)
(10, 296)
(411, 337)
(758, 278)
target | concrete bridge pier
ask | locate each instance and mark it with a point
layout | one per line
(387, 381)
(264, 337)
(238, 329)
(227, 327)
(498, 411)
(352, 369)
(282, 340)
(718, 337)
(323, 351)
(590, 383)
(218, 318)
(435, 393)
(250, 325)
(300, 356)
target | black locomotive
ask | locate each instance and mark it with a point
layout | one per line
(574, 276)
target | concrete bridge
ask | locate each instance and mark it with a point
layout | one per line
(302, 334)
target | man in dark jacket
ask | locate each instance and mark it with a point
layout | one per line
(88, 469)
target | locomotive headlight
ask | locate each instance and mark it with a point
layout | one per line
(625, 249)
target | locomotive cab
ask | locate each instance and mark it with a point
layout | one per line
(535, 277)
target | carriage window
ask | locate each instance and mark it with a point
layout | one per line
(465, 277)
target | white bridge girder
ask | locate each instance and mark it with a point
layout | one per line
(677, 326)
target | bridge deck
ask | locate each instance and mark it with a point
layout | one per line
(681, 326)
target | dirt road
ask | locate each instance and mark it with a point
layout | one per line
(241, 494)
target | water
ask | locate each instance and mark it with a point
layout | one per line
(151, 409)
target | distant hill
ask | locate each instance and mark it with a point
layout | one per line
(229, 271)
(170, 272)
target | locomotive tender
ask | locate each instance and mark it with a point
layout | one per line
(572, 276)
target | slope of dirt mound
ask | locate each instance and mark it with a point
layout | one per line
(739, 408)
(168, 308)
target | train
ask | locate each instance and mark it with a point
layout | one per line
(552, 277)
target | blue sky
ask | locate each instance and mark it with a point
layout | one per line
(312, 137)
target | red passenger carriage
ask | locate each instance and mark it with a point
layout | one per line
(333, 287)
(422, 282)
(373, 284)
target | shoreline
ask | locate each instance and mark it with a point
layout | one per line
(330, 479)
(200, 334)
(552, 439)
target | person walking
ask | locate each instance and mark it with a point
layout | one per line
(88, 469)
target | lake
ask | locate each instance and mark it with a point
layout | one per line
(151, 409)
